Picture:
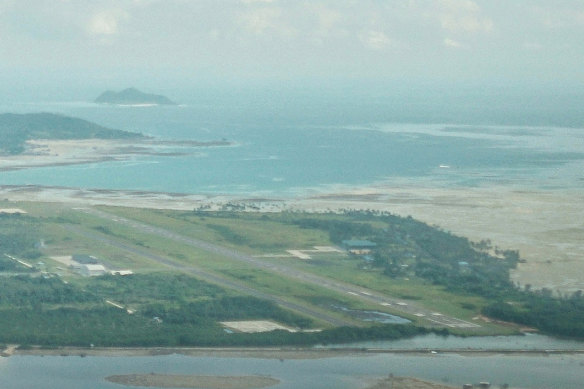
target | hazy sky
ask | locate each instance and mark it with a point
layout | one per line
(110, 41)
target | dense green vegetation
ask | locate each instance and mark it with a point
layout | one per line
(407, 247)
(540, 309)
(109, 326)
(9, 265)
(19, 235)
(146, 288)
(132, 96)
(39, 293)
(16, 129)
(416, 260)
(177, 311)
(156, 308)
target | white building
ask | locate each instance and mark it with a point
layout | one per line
(121, 272)
(91, 270)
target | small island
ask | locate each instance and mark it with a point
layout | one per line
(133, 96)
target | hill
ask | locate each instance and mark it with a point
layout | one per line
(132, 96)
(16, 129)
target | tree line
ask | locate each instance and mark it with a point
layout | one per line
(408, 247)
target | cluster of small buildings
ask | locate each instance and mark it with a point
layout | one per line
(359, 247)
(89, 266)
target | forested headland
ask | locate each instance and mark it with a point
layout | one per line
(16, 129)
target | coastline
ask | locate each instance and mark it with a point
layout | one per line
(544, 225)
(268, 357)
(51, 152)
(279, 353)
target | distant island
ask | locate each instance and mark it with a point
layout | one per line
(133, 96)
(17, 129)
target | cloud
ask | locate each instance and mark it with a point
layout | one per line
(452, 43)
(327, 18)
(5, 5)
(532, 46)
(268, 21)
(248, 2)
(375, 40)
(107, 22)
(559, 18)
(260, 20)
(294, 36)
(462, 16)
(460, 5)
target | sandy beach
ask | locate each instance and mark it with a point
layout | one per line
(45, 152)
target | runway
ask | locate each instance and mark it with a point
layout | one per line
(432, 317)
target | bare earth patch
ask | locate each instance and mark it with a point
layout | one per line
(193, 381)
(254, 326)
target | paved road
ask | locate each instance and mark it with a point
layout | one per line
(433, 317)
(210, 277)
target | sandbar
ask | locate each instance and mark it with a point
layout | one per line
(193, 381)
(62, 152)
(248, 382)
(407, 383)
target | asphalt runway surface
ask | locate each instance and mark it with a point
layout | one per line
(433, 317)
(210, 277)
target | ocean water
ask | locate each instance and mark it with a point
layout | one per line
(293, 151)
(537, 372)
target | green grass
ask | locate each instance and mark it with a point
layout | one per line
(273, 284)
(252, 233)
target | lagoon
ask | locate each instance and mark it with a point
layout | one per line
(343, 372)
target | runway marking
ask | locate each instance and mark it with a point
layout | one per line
(289, 272)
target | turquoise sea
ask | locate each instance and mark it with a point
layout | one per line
(287, 150)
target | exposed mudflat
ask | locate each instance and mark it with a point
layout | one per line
(193, 381)
(407, 383)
